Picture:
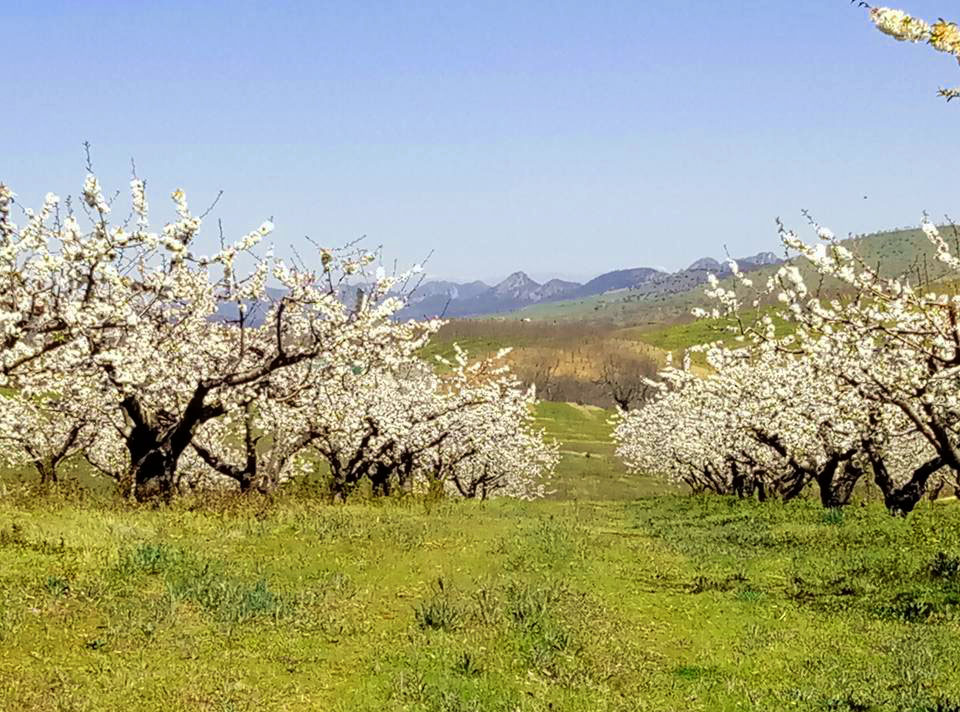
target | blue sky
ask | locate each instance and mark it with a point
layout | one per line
(556, 137)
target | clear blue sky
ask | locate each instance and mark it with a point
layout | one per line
(555, 137)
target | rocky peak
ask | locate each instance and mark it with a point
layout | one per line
(760, 259)
(555, 289)
(706, 263)
(517, 286)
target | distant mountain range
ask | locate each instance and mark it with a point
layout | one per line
(452, 299)
(640, 295)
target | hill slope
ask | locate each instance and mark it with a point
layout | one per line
(669, 298)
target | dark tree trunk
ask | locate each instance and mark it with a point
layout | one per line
(338, 490)
(466, 491)
(934, 490)
(405, 472)
(901, 500)
(47, 469)
(380, 480)
(761, 491)
(792, 487)
(738, 481)
(153, 472)
(837, 482)
(157, 440)
(47, 464)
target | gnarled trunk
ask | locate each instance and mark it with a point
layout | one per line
(153, 469)
(381, 480)
(901, 500)
(157, 440)
(836, 482)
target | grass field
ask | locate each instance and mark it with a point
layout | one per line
(613, 594)
(677, 338)
(589, 468)
(667, 603)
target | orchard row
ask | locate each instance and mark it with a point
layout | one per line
(164, 369)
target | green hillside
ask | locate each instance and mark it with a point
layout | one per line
(677, 338)
(894, 252)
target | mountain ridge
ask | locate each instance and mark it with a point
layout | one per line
(517, 291)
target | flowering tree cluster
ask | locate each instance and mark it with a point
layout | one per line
(942, 35)
(864, 387)
(866, 383)
(116, 346)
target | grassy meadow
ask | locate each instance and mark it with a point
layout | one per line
(614, 594)
(663, 603)
(589, 469)
(356, 565)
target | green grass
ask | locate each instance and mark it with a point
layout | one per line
(667, 603)
(475, 347)
(597, 599)
(589, 468)
(676, 338)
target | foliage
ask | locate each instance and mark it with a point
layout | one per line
(168, 370)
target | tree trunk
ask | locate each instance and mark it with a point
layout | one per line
(338, 491)
(901, 500)
(761, 491)
(836, 483)
(935, 489)
(47, 469)
(158, 439)
(738, 481)
(380, 480)
(153, 473)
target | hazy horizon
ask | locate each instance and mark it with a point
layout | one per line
(549, 138)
